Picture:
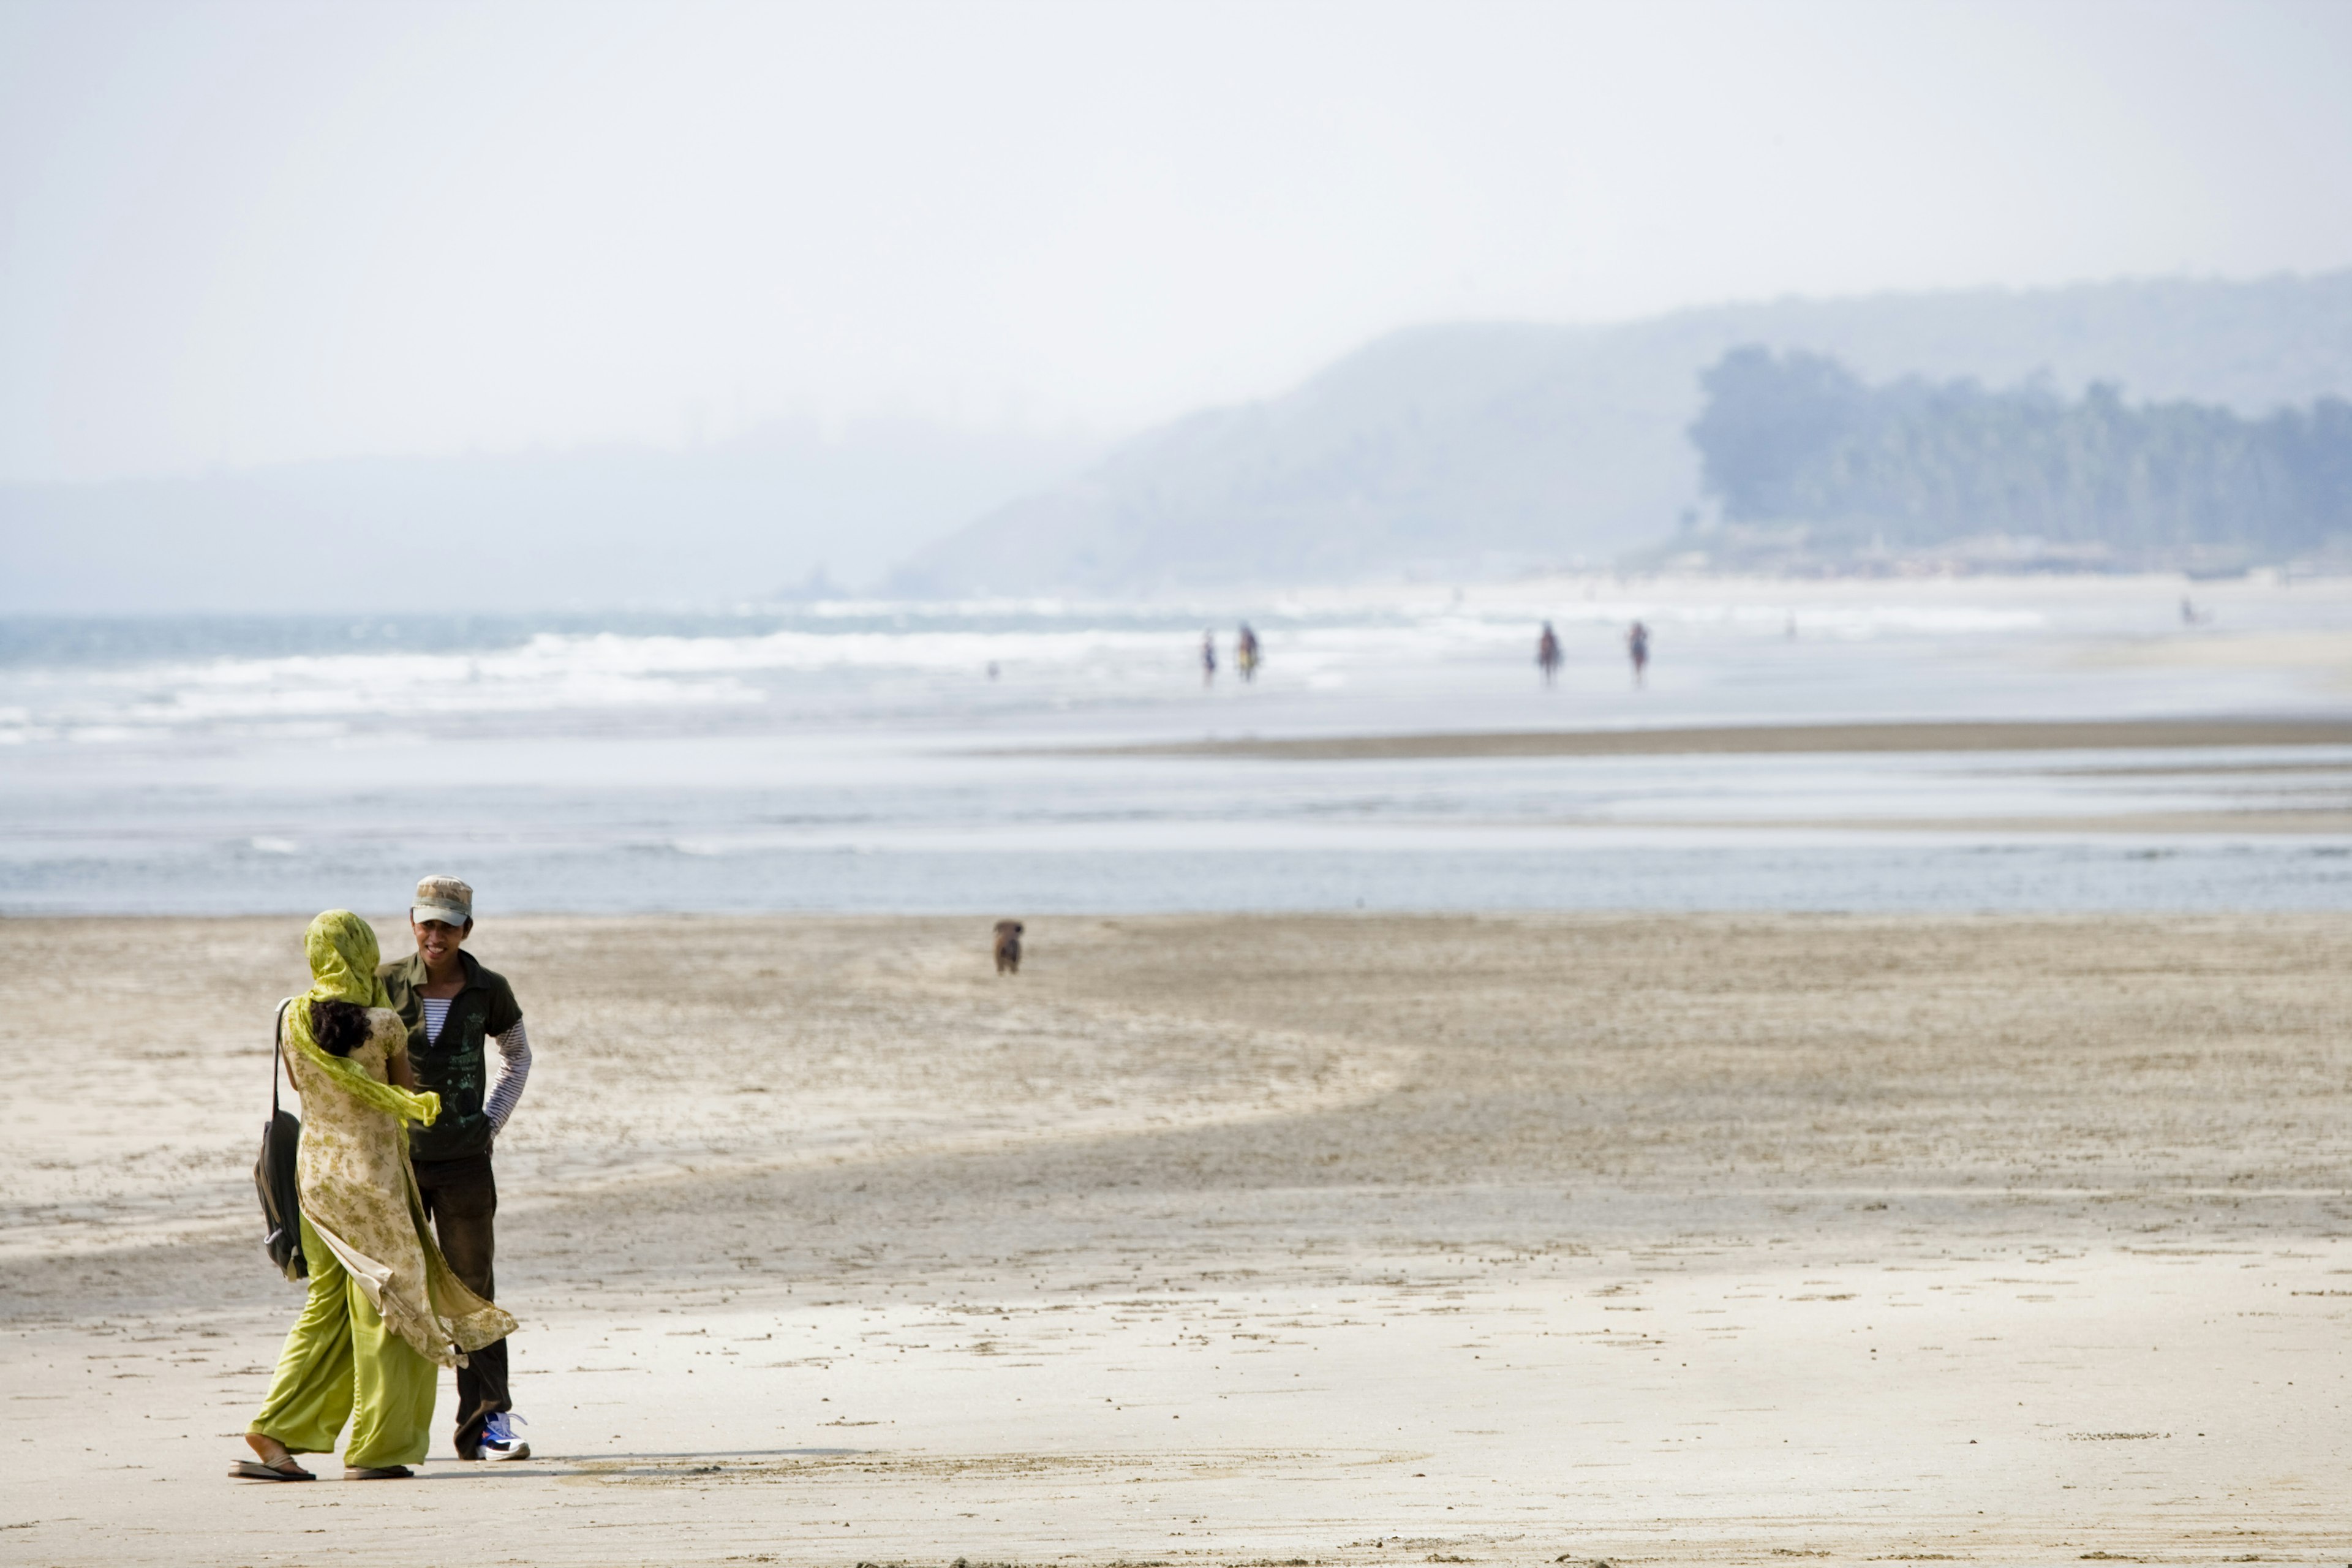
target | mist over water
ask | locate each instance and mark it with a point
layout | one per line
(859, 755)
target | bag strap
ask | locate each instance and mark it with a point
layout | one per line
(277, 1054)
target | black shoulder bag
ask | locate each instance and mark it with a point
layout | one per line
(273, 1173)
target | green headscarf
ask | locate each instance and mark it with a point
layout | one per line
(342, 951)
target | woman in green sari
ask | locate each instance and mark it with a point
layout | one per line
(384, 1312)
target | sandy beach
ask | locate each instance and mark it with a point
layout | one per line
(1216, 1239)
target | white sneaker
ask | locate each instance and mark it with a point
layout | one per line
(498, 1441)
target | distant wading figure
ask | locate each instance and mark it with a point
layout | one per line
(1245, 653)
(384, 1311)
(1547, 659)
(1208, 658)
(1008, 947)
(1637, 648)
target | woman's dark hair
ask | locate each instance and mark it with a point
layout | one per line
(338, 1026)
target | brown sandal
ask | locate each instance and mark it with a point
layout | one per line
(286, 1469)
(378, 1473)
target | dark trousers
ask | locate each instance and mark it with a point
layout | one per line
(461, 1198)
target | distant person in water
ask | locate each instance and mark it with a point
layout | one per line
(1208, 658)
(1637, 647)
(1246, 653)
(1547, 659)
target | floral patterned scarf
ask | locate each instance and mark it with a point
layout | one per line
(342, 951)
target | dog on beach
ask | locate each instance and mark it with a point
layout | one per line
(1008, 947)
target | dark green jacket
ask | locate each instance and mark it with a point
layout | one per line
(454, 1066)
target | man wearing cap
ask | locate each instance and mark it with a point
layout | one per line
(466, 1041)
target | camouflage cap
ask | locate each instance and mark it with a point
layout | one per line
(443, 898)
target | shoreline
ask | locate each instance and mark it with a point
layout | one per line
(1904, 735)
(2282, 824)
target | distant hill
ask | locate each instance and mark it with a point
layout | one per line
(1490, 446)
(774, 514)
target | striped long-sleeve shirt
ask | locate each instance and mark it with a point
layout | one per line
(509, 1063)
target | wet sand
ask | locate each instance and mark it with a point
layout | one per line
(1225, 1240)
(2021, 735)
(2254, 820)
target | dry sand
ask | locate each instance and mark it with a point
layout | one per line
(1972, 735)
(1235, 1240)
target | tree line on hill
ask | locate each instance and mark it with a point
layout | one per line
(1797, 438)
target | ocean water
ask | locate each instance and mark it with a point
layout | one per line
(876, 756)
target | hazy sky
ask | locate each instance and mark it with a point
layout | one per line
(242, 233)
